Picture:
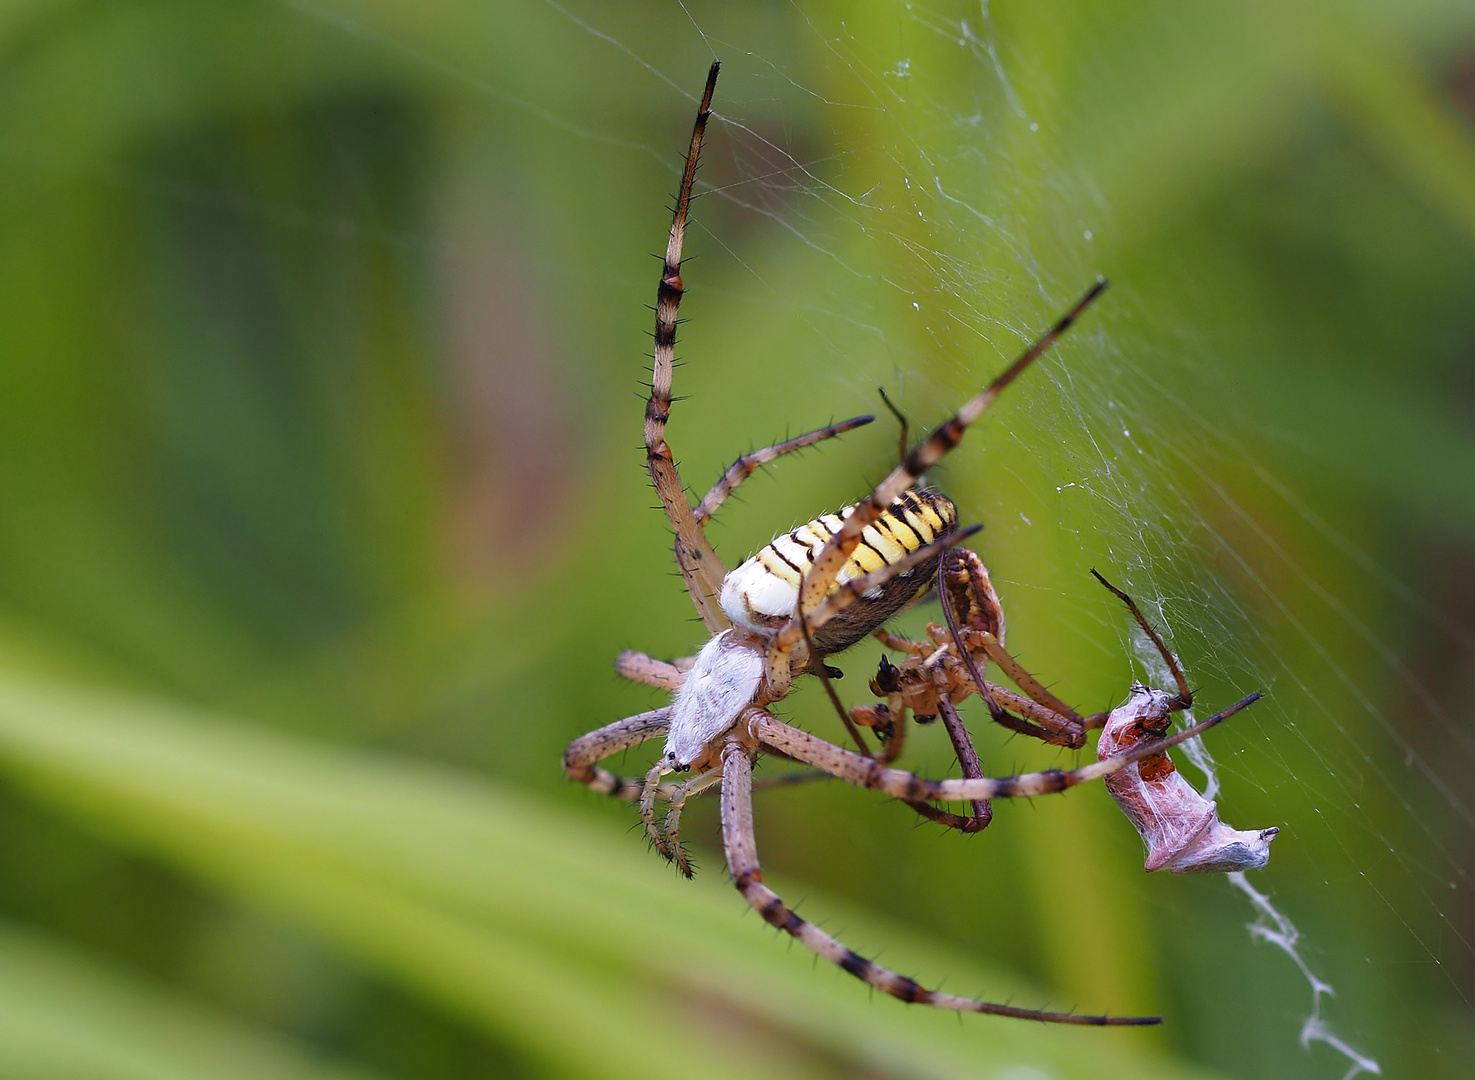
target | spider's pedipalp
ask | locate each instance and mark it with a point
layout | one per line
(672, 825)
(649, 791)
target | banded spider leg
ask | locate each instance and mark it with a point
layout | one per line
(825, 568)
(701, 569)
(759, 731)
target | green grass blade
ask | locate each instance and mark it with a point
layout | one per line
(65, 1015)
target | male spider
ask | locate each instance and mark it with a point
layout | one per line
(1181, 828)
(819, 589)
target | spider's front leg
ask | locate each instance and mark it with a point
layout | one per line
(825, 567)
(701, 569)
(581, 756)
(865, 772)
(741, 848)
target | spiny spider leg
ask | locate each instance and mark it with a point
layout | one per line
(897, 643)
(957, 731)
(648, 793)
(666, 675)
(975, 625)
(1184, 699)
(641, 668)
(867, 773)
(948, 820)
(741, 847)
(847, 593)
(748, 464)
(949, 714)
(831, 559)
(968, 761)
(1047, 727)
(579, 764)
(700, 568)
(579, 759)
(891, 748)
(679, 795)
(983, 813)
(1025, 681)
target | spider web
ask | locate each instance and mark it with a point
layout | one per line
(893, 214)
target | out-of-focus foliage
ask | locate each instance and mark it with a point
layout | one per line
(321, 517)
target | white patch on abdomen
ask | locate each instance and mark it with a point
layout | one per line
(721, 683)
(755, 597)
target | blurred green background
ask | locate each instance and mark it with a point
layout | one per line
(322, 516)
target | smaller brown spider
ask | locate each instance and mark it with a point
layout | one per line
(1181, 828)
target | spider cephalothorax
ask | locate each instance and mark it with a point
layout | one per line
(813, 592)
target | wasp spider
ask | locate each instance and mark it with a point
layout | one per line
(813, 592)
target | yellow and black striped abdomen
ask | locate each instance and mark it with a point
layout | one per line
(761, 593)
